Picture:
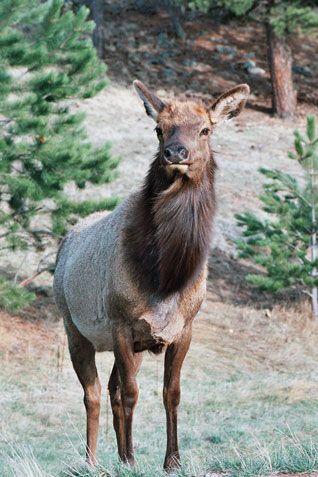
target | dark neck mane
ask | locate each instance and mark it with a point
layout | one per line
(168, 235)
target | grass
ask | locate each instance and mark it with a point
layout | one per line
(249, 402)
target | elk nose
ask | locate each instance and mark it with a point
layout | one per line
(176, 153)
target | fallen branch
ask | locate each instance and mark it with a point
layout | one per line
(26, 282)
(39, 271)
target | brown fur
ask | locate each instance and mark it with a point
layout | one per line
(168, 237)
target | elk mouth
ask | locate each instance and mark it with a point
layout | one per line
(182, 166)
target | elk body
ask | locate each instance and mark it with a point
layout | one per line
(133, 280)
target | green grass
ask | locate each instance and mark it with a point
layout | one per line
(236, 415)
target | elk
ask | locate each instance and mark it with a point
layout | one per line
(134, 280)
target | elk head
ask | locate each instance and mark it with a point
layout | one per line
(184, 127)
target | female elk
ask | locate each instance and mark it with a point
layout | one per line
(134, 280)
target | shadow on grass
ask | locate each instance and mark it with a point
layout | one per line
(86, 471)
(260, 108)
(227, 283)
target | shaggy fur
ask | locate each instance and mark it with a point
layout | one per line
(168, 235)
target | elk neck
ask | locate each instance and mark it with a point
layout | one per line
(168, 235)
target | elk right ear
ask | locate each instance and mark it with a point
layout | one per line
(229, 104)
(153, 105)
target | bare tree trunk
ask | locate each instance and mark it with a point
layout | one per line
(175, 14)
(176, 24)
(97, 14)
(98, 35)
(280, 64)
(314, 292)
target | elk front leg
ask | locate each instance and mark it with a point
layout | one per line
(83, 358)
(118, 411)
(174, 357)
(128, 363)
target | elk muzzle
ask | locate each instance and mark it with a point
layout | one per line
(176, 157)
(176, 154)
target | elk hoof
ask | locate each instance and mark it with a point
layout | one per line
(130, 461)
(172, 462)
(91, 461)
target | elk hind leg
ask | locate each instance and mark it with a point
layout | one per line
(83, 358)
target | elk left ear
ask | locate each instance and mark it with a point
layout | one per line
(229, 104)
(153, 104)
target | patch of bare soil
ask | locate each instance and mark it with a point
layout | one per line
(22, 337)
(227, 284)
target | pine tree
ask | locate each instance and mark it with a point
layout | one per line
(282, 19)
(47, 60)
(285, 243)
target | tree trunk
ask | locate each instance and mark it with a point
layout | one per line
(280, 64)
(314, 292)
(176, 24)
(98, 35)
(96, 8)
(175, 14)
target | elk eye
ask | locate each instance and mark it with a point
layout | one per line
(158, 131)
(205, 132)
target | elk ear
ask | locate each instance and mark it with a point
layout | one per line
(229, 104)
(153, 105)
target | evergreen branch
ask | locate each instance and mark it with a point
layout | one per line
(52, 45)
(281, 243)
